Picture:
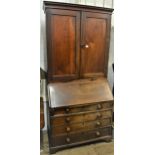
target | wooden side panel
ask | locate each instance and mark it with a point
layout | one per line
(63, 51)
(95, 35)
(42, 123)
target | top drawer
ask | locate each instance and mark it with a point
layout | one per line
(83, 108)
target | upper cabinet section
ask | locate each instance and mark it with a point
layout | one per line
(77, 41)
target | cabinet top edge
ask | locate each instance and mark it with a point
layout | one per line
(48, 4)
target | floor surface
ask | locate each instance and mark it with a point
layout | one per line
(101, 148)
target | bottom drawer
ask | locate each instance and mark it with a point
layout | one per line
(79, 137)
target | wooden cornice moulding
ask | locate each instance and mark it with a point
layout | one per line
(49, 4)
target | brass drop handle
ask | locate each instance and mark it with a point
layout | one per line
(67, 119)
(67, 140)
(68, 129)
(98, 133)
(98, 123)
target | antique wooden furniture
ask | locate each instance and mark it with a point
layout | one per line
(80, 112)
(80, 101)
(77, 40)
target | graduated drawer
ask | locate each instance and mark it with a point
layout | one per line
(67, 128)
(62, 120)
(81, 117)
(91, 125)
(73, 128)
(89, 107)
(81, 136)
(98, 115)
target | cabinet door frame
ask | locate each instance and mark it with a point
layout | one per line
(107, 17)
(50, 53)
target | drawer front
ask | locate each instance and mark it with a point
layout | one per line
(73, 128)
(67, 129)
(91, 107)
(97, 115)
(82, 136)
(97, 124)
(58, 121)
(100, 132)
(92, 116)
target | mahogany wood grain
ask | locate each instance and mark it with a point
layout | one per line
(95, 116)
(69, 30)
(81, 136)
(78, 92)
(77, 109)
(54, 149)
(83, 126)
(81, 117)
(67, 128)
(63, 44)
(95, 35)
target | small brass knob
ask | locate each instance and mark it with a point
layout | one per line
(86, 46)
(68, 129)
(98, 133)
(67, 119)
(99, 106)
(67, 140)
(67, 109)
(98, 123)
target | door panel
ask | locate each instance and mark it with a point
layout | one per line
(64, 45)
(94, 44)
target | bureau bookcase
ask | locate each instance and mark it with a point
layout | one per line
(80, 100)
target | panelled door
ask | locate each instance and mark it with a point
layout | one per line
(63, 44)
(94, 44)
(77, 44)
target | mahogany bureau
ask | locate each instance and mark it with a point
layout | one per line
(80, 100)
(80, 112)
